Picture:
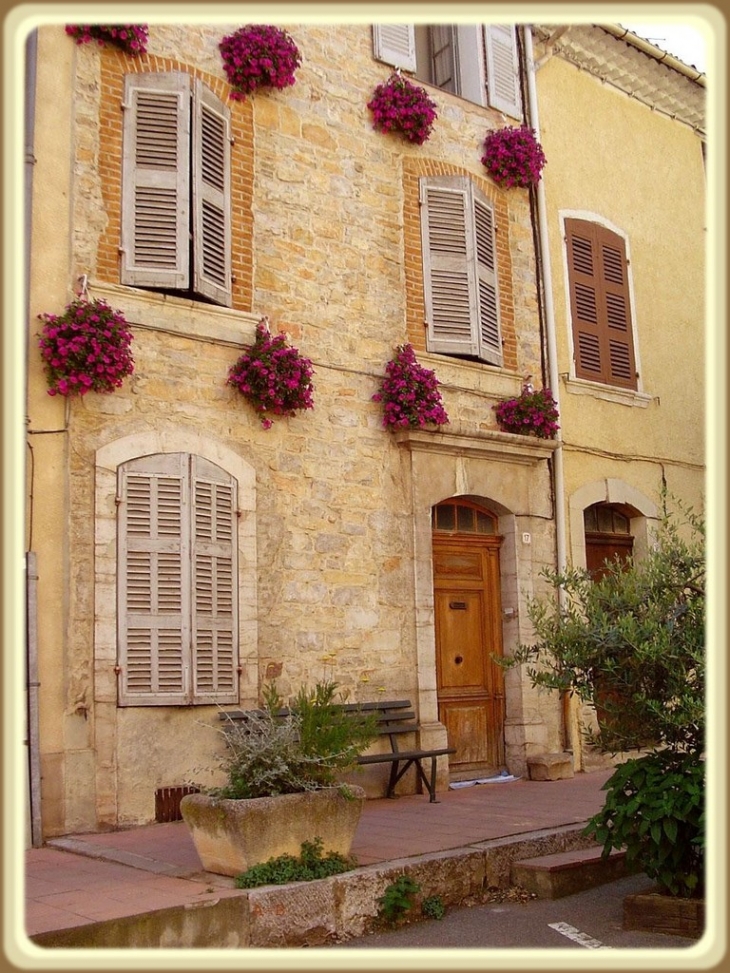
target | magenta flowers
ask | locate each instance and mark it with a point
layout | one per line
(409, 393)
(259, 57)
(400, 106)
(132, 38)
(533, 413)
(513, 157)
(85, 349)
(273, 376)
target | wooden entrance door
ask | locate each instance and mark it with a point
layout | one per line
(468, 618)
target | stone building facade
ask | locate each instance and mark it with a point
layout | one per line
(396, 563)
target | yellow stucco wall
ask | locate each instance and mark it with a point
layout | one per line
(613, 160)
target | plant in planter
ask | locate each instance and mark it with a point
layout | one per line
(532, 413)
(258, 56)
(399, 105)
(409, 393)
(273, 376)
(131, 38)
(513, 156)
(86, 349)
(282, 768)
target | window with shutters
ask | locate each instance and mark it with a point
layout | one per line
(177, 582)
(600, 305)
(478, 62)
(459, 269)
(176, 187)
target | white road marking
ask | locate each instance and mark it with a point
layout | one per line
(582, 938)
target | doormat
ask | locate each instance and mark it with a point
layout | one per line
(503, 778)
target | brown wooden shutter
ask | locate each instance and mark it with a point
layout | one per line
(490, 336)
(503, 69)
(600, 305)
(214, 587)
(156, 181)
(154, 582)
(448, 263)
(395, 44)
(211, 196)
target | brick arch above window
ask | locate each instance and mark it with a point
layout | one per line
(413, 171)
(111, 148)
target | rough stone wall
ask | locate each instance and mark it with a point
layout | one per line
(324, 216)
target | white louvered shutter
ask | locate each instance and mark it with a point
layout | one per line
(154, 581)
(395, 44)
(449, 266)
(490, 337)
(214, 588)
(211, 196)
(156, 181)
(503, 69)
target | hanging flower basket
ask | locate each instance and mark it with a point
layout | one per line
(86, 349)
(132, 38)
(409, 393)
(400, 106)
(532, 413)
(273, 376)
(259, 57)
(513, 157)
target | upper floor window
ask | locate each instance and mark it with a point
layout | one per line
(600, 306)
(459, 269)
(177, 582)
(479, 62)
(176, 187)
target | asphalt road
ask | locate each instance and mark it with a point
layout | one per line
(587, 920)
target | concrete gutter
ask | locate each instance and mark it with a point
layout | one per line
(322, 912)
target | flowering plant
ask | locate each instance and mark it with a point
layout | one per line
(399, 105)
(513, 156)
(259, 57)
(410, 393)
(86, 349)
(132, 38)
(273, 376)
(531, 413)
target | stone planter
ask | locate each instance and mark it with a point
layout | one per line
(651, 911)
(231, 836)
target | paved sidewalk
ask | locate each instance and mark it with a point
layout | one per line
(82, 879)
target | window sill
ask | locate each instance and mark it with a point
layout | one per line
(178, 315)
(578, 386)
(472, 376)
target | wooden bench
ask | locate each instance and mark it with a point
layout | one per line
(394, 719)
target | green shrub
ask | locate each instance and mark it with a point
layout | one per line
(277, 751)
(310, 865)
(398, 900)
(433, 907)
(655, 809)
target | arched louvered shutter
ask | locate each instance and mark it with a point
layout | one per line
(395, 44)
(490, 336)
(211, 196)
(448, 264)
(177, 587)
(503, 69)
(156, 181)
(214, 588)
(600, 305)
(153, 582)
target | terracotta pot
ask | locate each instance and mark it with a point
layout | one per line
(231, 836)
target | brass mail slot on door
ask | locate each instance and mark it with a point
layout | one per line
(458, 605)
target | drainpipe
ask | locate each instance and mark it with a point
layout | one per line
(31, 580)
(552, 367)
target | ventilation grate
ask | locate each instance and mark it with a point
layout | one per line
(167, 802)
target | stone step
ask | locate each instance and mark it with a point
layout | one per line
(553, 876)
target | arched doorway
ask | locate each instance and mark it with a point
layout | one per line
(608, 536)
(468, 628)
